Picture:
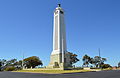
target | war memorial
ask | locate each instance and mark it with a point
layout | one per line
(60, 58)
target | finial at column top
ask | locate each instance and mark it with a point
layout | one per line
(59, 5)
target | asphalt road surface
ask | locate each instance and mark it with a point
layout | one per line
(100, 74)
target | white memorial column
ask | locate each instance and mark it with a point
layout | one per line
(59, 57)
(59, 33)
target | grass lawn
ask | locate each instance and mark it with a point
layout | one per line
(53, 71)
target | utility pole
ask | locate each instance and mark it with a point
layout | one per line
(23, 61)
(99, 51)
(100, 58)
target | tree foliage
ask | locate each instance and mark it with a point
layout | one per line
(9, 65)
(119, 64)
(97, 61)
(73, 58)
(86, 60)
(32, 62)
(11, 62)
(2, 62)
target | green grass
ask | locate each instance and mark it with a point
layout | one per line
(53, 71)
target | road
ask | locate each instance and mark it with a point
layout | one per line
(100, 74)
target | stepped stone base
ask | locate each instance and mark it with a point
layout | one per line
(56, 62)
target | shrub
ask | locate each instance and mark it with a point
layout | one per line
(10, 68)
(78, 68)
(106, 66)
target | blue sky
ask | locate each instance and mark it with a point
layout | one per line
(26, 27)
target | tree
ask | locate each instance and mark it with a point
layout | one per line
(32, 62)
(3, 62)
(18, 64)
(0, 64)
(73, 58)
(86, 60)
(11, 62)
(98, 61)
(103, 60)
(119, 64)
(92, 61)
